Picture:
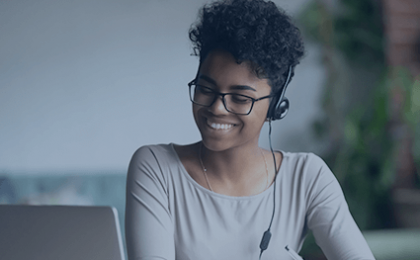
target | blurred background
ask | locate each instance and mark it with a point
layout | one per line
(83, 84)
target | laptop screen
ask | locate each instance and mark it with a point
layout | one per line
(60, 232)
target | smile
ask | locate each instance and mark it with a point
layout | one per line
(218, 126)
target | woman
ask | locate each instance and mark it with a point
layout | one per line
(216, 198)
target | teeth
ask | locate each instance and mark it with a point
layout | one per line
(221, 126)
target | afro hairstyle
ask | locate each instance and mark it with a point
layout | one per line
(254, 31)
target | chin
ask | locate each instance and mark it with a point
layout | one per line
(216, 145)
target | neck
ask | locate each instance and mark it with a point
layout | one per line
(235, 165)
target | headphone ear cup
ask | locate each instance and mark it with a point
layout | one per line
(282, 109)
(279, 106)
(278, 110)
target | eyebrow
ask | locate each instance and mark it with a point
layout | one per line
(238, 87)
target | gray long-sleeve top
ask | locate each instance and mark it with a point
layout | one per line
(170, 216)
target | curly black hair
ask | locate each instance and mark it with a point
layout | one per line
(256, 31)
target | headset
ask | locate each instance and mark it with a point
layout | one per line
(279, 105)
(278, 108)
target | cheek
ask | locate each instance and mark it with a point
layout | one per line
(195, 111)
(258, 117)
(263, 110)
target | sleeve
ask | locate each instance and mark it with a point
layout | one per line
(329, 218)
(149, 228)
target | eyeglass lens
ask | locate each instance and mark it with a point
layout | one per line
(234, 103)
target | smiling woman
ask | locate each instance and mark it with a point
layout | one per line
(241, 122)
(215, 198)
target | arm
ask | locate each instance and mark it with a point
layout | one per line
(148, 224)
(329, 218)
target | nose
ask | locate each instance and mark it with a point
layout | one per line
(218, 107)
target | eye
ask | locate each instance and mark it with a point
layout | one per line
(204, 90)
(239, 99)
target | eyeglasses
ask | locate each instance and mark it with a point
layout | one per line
(234, 103)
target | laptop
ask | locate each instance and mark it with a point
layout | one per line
(60, 233)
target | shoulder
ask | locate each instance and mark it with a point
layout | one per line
(305, 163)
(152, 160)
(160, 149)
(310, 173)
(153, 153)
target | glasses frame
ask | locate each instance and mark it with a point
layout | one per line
(217, 94)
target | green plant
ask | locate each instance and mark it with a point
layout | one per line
(357, 118)
(364, 164)
(410, 88)
(358, 107)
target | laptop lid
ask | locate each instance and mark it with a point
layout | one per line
(60, 232)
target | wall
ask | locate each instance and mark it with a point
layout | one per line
(83, 84)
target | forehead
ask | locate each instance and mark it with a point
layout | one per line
(222, 67)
